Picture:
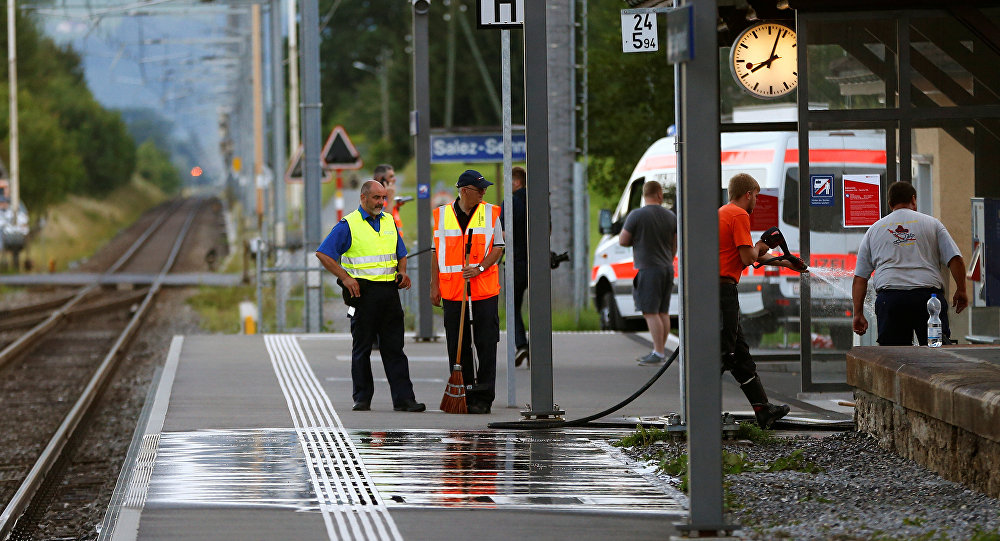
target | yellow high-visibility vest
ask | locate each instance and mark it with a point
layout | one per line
(372, 255)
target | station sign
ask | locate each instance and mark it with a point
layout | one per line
(475, 148)
(500, 13)
(821, 194)
(862, 200)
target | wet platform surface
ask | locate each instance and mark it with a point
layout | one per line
(253, 437)
(410, 469)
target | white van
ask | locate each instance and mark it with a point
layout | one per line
(768, 298)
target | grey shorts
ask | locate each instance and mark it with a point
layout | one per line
(651, 290)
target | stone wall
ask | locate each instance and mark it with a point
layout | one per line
(953, 452)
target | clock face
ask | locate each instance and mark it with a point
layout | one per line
(764, 60)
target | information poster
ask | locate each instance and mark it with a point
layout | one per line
(862, 200)
(765, 213)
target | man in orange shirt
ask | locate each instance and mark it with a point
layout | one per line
(737, 251)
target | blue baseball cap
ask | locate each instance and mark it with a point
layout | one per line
(473, 178)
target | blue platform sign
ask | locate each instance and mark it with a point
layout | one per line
(821, 194)
(474, 148)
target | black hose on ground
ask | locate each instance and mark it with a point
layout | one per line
(583, 421)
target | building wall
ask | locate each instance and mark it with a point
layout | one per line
(953, 186)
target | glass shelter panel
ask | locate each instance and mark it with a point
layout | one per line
(949, 65)
(852, 64)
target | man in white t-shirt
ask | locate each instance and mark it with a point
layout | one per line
(906, 250)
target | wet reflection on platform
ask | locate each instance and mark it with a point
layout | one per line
(231, 468)
(548, 470)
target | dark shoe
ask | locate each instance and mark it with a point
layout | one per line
(650, 359)
(479, 408)
(768, 414)
(410, 405)
(521, 356)
(362, 406)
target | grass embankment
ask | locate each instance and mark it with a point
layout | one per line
(76, 228)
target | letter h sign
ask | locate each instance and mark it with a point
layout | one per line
(500, 13)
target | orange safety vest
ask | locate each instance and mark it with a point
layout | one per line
(449, 244)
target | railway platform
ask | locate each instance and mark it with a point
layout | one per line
(253, 437)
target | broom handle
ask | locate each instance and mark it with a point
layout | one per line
(461, 318)
(472, 330)
(461, 328)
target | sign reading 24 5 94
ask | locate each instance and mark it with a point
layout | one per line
(639, 31)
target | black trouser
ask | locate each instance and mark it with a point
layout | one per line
(902, 312)
(486, 333)
(735, 350)
(379, 314)
(520, 286)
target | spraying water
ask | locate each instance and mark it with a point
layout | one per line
(841, 280)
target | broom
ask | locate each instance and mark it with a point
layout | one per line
(453, 400)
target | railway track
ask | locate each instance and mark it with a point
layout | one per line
(56, 372)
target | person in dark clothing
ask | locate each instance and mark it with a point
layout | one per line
(468, 245)
(737, 251)
(520, 261)
(365, 252)
(651, 231)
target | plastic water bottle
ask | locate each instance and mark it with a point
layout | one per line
(934, 322)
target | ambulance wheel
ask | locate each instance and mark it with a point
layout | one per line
(611, 318)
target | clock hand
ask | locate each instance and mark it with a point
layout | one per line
(766, 63)
(774, 48)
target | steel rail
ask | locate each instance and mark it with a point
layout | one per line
(28, 339)
(40, 307)
(76, 311)
(29, 487)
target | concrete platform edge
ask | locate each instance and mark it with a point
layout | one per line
(126, 528)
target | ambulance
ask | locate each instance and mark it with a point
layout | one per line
(769, 297)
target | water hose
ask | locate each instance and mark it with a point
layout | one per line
(583, 421)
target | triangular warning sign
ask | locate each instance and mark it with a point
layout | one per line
(294, 174)
(339, 152)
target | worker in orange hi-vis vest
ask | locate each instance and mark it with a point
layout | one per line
(468, 244)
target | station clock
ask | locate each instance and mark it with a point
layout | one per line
(764, 60)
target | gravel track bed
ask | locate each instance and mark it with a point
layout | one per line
(863, 492)
(81, 499)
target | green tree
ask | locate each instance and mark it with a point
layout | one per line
(68, 142)
(153, 165)
(631, 99)
(376, 33)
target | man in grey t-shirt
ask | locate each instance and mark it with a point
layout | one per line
(906, 250)
(651, 231)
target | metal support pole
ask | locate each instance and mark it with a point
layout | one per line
(15, 163)
(311, 140)
(678, 197)
(508, 217)
(700, 261)
(536, 117)
(278, 158)
(258, 116)
(420, 129)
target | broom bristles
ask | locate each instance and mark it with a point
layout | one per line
(454, 394)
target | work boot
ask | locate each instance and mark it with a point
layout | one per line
(521, 355)
(767, 414)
